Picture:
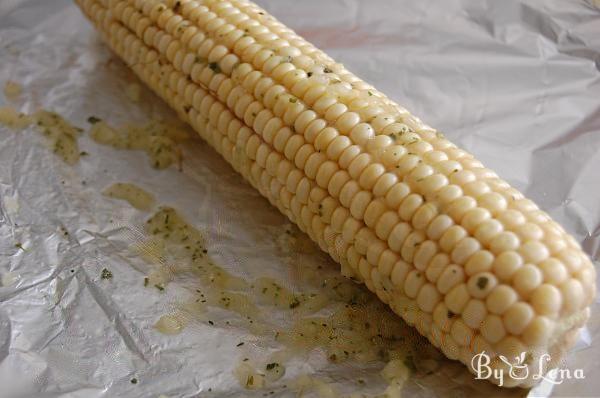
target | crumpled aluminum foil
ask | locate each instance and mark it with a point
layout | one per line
(515, 82)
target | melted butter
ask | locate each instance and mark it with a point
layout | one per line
(61, 135)
(269, 291)
(168, 225)
(160, 141)
(248, 377)
(14, 119)
(134, 92)
(9, 278)
(176, 246)
(305, 384)
(274, 371)
(132, 194)
(359, 329)
(151, 250)
(236, 302)
(362, 333)
(12, 90)
(395, 373)
(294, 240)
(189, 244)
(170, 324)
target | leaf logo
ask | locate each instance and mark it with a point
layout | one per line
(518, 369)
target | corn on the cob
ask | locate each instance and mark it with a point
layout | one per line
(452, 248)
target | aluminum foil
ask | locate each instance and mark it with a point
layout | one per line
(516, 83)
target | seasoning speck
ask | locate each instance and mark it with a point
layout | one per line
(295, 303)
(134, 381)
(106, 274)
(482, 282)
(271, 366)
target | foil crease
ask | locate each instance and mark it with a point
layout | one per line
(516, 83)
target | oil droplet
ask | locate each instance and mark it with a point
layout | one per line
(170, 324)
(9, 278)
(132, 194)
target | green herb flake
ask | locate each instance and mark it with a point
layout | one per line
(250, 381)
(482, 282)
(93, 120)
(160, 287)
(134, 381)
(295, 303)
(146, 281)
(215, 67)
(240, 344)
(106, 274)
(293, 100)
(271, 366)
